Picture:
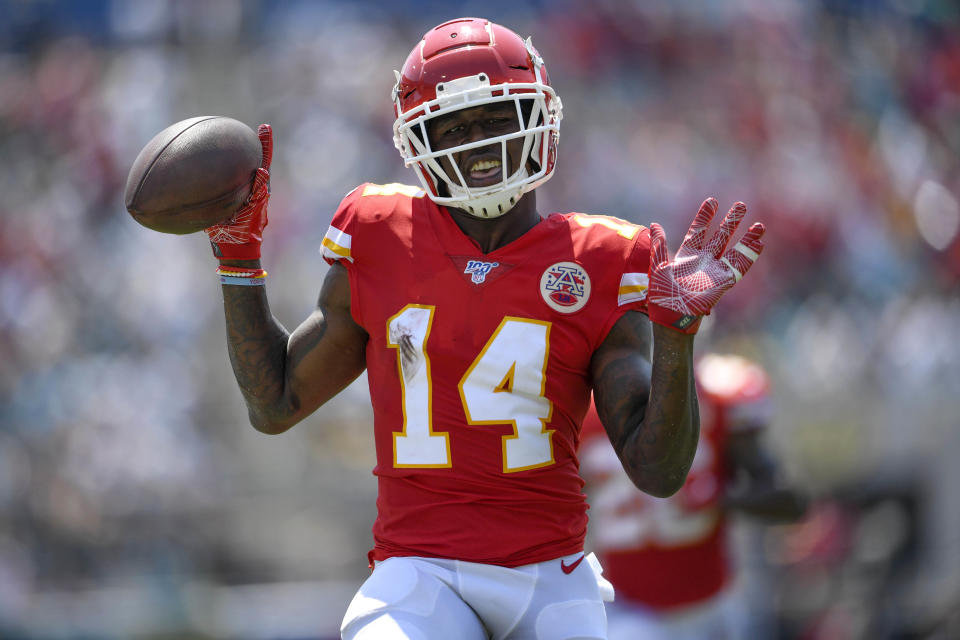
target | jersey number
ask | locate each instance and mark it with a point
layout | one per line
(504, 385)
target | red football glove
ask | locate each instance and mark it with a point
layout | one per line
(683, 291)
(239, 237)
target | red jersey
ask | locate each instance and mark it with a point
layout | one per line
(478, 367)
(672, 552)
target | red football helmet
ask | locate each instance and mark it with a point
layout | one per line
(465, 63)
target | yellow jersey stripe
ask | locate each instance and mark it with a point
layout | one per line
(633, 287)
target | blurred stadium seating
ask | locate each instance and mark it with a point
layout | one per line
(135, 500)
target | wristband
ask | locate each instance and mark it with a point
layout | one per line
(240, 272)
(246, 282)
(242, 276)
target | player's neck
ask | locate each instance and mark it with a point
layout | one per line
(493, 233)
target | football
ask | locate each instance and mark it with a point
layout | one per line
(193, 174)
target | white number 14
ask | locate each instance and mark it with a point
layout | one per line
(504, 385)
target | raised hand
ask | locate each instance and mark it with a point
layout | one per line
(683, 290)
(239, 237)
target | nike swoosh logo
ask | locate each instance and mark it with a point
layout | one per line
(569, 568)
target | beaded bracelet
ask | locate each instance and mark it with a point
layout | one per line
(242, 276)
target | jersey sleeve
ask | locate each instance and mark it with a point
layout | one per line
(634, 282)
(337, 245)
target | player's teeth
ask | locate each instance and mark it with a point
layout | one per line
(483, 165)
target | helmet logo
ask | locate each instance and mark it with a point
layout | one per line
(565, 287)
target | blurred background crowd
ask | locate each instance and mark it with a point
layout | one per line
(136, 501)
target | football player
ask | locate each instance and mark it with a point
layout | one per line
(669, 559)
(483, 326)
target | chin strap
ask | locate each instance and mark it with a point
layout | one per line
(492, 205)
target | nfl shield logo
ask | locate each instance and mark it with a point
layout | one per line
(478, 270)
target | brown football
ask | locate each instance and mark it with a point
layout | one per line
(193, 174)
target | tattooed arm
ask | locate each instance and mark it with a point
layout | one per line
(286, 377)
(648, 408)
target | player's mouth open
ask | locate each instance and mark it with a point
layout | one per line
(484, 171)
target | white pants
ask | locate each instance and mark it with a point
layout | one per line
(720, 618)
(412, 598)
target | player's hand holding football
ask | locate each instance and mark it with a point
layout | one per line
(239, 237)
(684, 289)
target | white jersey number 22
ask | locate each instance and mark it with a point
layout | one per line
(504, 385)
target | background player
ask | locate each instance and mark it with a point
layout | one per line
(482, 326)
(669, 559)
